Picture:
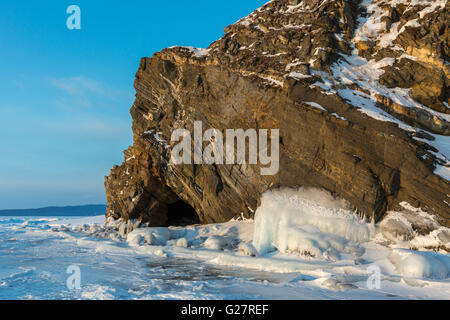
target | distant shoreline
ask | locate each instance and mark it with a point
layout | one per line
(84, 210)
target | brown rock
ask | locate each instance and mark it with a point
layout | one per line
(243, 82)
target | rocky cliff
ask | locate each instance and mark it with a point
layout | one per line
(358, 89)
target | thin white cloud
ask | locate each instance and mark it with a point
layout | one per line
(105, 127)
(90, 126)
(78, 86)
(84, 91)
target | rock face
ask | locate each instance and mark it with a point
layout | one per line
(358, 90)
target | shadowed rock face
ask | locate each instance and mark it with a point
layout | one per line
(263, 74)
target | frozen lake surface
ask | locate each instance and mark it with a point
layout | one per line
(35, 254)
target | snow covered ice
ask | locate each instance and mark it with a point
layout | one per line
(303, 244)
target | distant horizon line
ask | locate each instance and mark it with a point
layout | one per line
(85, 209)
(62, 206)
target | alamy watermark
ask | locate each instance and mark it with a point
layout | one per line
(74, 280)
(374, 280)
(231, 150)
(74, 20)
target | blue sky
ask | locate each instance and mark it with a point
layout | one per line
(65, 94)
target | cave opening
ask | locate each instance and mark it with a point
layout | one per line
(180, 214)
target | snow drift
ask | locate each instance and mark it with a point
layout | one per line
(418, 264)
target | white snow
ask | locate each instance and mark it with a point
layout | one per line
(441, 143)
(295, 63)
(421, 264)
(272, 80)
(151, 236)
(374, 29)
(316, 105)
(338, 117)
(215, 243)
(443, 171)
(247, 249)
(356, 69)
(432, 6)
(298, 75)
(303, 244)
(198, 52)
(353, 69)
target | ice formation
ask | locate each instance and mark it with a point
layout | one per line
(307, 221)
(418, 264)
